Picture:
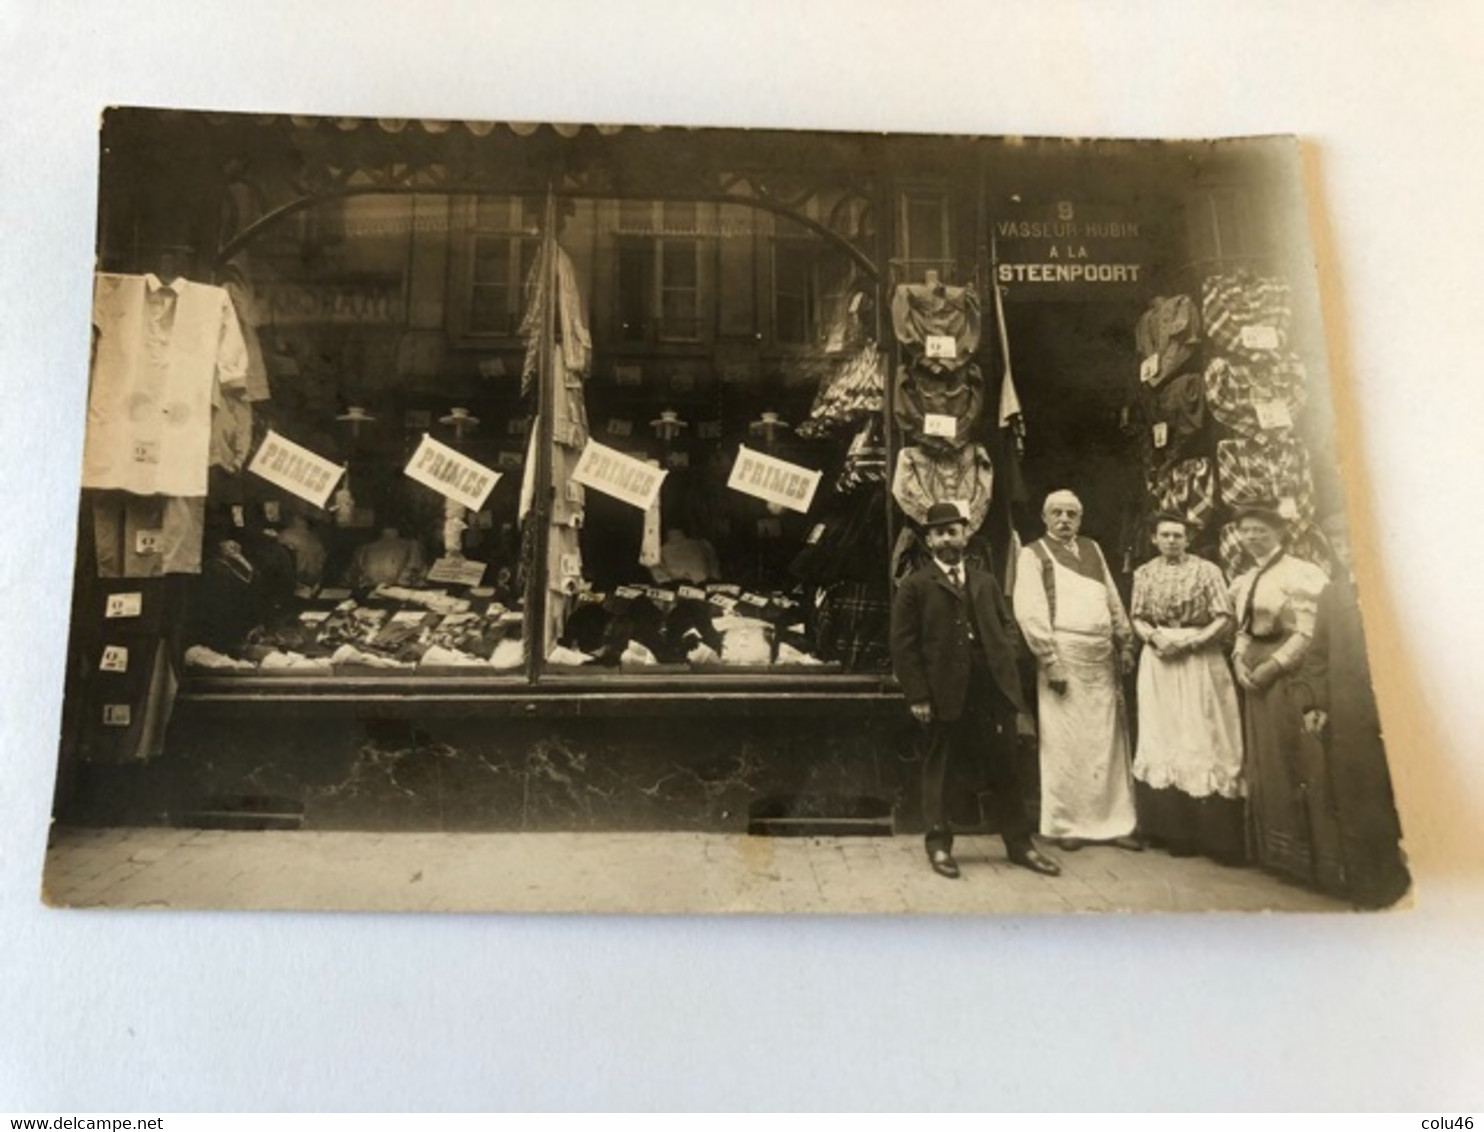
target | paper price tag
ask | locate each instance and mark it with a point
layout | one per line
(408, 617)
(940, 424)
(417, 420)
(115, 659)
(835, 343)
(313, 616)
(147, 542)
(618, 427)
(239, 516)
(271, 511)
(757, 601)
(663, 596)
(677, 459)
(1272, 415)
(1259, 337)
(116, 715)
(457, 572)
(943, 346)
(146, 452)
(123, 605)
(1149, 368)
(628, 375)
(816, 534)
(1161, 434)
(627, 592)
(692, 593)
(571, 566)
(517, 426)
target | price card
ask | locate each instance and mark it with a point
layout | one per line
(628, 592)
(457, 572)
(816, 534)
(271, 511)
(835, 343)
(239, 516)
(147, 542)
(943, 346)
(591, 597)
(1272, 415)
(417, 420)
(617, 427)
(628, 375)
(1161, 434)
(313, 616)
(1259, 337)
(692, 593)
(730, 588)
(570, 565)
(334, 593)
(1149, 368)
(146, 452)
(757, 601)
(303, 592)
(116, 715)
(115, 659)
(940, 424)
(123, 605)
(663, 596)
(408, 617)
(517, 426)
(677, 459)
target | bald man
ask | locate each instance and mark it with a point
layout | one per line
(1073, 621)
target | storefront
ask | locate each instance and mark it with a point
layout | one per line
(558, 477)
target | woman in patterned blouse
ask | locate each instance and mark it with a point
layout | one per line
(1188, 764)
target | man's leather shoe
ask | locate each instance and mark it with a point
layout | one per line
(943, 863)
(1029, 857)
(1131, 843)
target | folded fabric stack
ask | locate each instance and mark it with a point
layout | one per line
(1270, 467)
(720, 623)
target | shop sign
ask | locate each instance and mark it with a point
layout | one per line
(623, 477)
(357, 302)
(457, 572)
(774, 480)
(1071, 249)
(451, 474)
(295, 469)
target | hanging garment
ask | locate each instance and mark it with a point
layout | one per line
(1268, 467)
(920, 311)
(956, 394)
(1252, 398)
(853, 391)
(573, 340)
(1235, 306)
(171, 527)
(1169, 330)
(849, 541)
(164, 353)
(1175, 419)
(1187, 488)
(924, 478)
(1071, 617)
(249, 318)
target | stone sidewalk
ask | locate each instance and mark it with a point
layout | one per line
(623, 872)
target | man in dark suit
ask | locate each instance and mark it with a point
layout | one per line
(953, 646)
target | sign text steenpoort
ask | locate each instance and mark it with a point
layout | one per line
(295, 469)
(452, 474)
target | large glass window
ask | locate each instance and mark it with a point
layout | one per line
(762, 550)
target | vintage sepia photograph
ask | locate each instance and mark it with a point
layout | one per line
(494, 516)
